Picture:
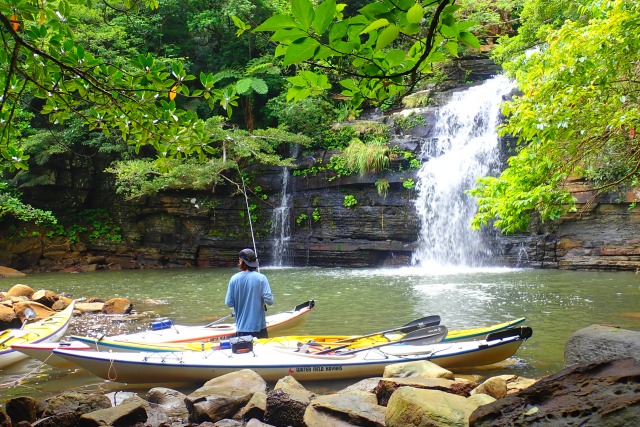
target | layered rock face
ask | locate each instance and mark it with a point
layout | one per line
(330, 221)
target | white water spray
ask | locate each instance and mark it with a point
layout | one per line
(464, 147)
(281, 221)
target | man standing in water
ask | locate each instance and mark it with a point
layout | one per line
(247, 294)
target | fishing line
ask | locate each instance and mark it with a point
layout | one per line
(246, 200)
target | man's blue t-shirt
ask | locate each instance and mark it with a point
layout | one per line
(248, 292)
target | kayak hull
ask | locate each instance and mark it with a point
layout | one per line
(273, 362)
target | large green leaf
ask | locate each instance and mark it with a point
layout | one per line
(324, 16)
(379, 23)
(414, 15)
(276, 22)
(301, 50)
(303, 12)
(387, 36)
(259, 85)
(469, 39)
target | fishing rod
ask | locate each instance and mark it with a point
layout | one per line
(253, 239)
(246, 201)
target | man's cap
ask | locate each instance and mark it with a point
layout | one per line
(249, 257)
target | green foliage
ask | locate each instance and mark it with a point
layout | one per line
(349, 201)
(382, 185)
(378, 53)
(409, 184)
(10, 205)
(301, 219)
(578, 115)
(316, 215)
(407, 122)
(311, 117)
(367, 158)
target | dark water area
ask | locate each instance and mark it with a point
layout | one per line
(348, 301)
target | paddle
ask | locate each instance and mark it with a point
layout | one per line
(15, 333)
(219, 320)
(411, 326)
(524, 332)
(425, 336)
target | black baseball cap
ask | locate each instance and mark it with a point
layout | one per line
(249, 257)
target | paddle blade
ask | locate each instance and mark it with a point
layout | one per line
(426, 336)
(424, 322)
(524, 332)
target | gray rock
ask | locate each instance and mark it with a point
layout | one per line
(356, 408)
(599, 343)
(599, 395)
(21, 409)
(72, 401)
(123, 415)
(213, 403)
(416, 407)
(286, 407)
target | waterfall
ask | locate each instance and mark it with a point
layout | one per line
(281, 222)
(464, 147)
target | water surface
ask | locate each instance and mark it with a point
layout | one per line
(356, 301)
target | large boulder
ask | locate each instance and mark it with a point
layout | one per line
(10, 272)
(20, 291)
(73, 401)
(410, 406)
(127, 414)
(117, 306)
(600, 394)
(215, 403)
(388, 386)
(355, 408)
(599, 343)
(21, 409)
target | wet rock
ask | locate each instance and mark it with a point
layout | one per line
(171, 401)
(599, 343)
(4, 419)
(421, 369)
(602, 394)
(42, 311)
(410, 406)
(117, 306)
(156, 417)
(21, 409)
(368, 384)
(45, 297)
(355, 408)
(255, 408)
(10, 272)
(244, 378)
(8, 318)
(60, 304)
(495, 387)
(73, 401)
(286, 406)
(89, 307)
(126, 414)
(20, 290)
(388, 386)
(63, 419)
(214, 403)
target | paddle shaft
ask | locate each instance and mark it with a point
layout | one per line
(218, 321)
(426, 336)
(411, 326)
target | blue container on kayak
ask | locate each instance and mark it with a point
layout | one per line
(161, 324)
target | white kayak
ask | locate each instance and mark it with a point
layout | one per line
(167, 332)
(273, 362)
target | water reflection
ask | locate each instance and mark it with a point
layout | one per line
(349, 301)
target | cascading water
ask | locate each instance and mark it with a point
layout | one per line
(281, 222)
(464, 147)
